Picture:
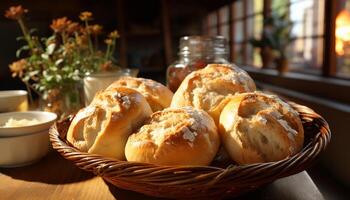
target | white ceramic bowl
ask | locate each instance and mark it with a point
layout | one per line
(13, 100)
(24, 145)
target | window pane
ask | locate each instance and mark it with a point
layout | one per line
(225, 31)
(254, 58)
(224, 14)
(254, 26)
(254, 6)
(306, 54)
(213, 31)
(238, 34)
(238, 53)
(342, 34)
(308, 16)
(279, 5)
(237, 9)
(212, 19)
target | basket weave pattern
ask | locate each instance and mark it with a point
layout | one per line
(202, 181)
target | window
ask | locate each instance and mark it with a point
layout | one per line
(246, 16)
(305, 51)
(320, 33)
(342, 39)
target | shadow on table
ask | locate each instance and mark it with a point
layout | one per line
(121, 194)
(52, 169)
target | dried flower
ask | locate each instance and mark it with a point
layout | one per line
(95, 29)
(85, 16)
(17, 68)
(114, 34)
(82, 40)
(15, 12)
(55, 106)
(73, 27)
(108, 41)
(106, 66)
(60, 25)
(53, 94)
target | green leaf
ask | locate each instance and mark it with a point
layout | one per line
(58, 62)
(19, 51)
(45, 56)
(50, 48)
(19, 38)
(33, 73)
(33, 30)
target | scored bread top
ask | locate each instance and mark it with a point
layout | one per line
(258, 127)
(104, 126)
(156, 94)
(209, 87)
(175, 136)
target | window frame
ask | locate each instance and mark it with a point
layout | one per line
(329, 64)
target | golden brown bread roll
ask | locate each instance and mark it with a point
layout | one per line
(103, 127)
(256, 127)
(208, 88)
(175, 136)
(157, 95)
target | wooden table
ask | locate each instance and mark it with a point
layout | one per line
(56, 178)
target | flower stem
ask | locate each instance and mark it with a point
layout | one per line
(112, 48)
(89, 37)
(107, 52)
(29, 93)
(25, 33)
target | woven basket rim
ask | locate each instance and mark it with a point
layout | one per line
(122, 173)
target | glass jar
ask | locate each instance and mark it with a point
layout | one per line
(63, 101)
(100, 81)
(195, 53)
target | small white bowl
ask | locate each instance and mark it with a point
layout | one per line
(46, 119)
(24, 145)
(13, 100)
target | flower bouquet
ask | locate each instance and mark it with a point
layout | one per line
(53, 67)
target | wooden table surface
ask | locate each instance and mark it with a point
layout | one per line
(56, 178)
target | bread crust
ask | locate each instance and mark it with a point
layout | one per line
(103, 127)
(256, 127)
(175, 136)
(211, 87)
(157, 95)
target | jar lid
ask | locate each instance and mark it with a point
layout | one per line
(216, 45)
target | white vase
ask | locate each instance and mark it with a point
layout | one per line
(94, 83)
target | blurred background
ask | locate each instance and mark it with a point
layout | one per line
(313, 37)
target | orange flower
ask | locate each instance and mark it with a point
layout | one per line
(17, 68)
(114, 34)
(108, 41)
(15, 12)
(60, 25)
(73, 27)
(85, 16)
(106, 66)
(95, 29)
(53, 94)
(82, 40)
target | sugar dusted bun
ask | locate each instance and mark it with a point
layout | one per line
(257, 127)
(175, 136)
(103, 127)
(210, 87)
(157, 95)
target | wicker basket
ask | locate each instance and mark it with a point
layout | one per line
(183, 182)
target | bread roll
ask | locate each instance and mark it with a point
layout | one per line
(257, 127)
(208, 88)
(175, 136)
(103, 127)
(157, 95)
